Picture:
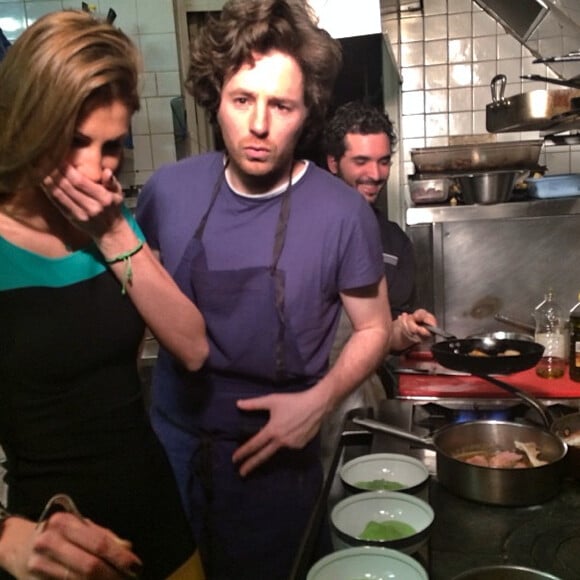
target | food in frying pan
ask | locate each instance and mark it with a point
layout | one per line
(387, 530)
(380, 484)
(525, 455)
(507, 352)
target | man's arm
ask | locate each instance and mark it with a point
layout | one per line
(296, 418)
(369, 312)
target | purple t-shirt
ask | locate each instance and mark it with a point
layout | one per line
(332, 242)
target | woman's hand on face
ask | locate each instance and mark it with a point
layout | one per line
(67, 547)
(92, 207)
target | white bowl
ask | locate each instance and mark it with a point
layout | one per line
(390, 467)
(350, 516)
(368, 563)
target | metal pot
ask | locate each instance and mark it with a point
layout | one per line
(505, 572)
(490, 485)
(537, 110)
(488, 187)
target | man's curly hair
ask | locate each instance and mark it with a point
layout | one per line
(358, 118)
(247, 27)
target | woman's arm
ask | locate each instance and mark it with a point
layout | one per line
(96, 209)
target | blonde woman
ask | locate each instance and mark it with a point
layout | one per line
(78, 286)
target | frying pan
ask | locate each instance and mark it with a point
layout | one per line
(490, 485)
(458, 354)
(455, 354)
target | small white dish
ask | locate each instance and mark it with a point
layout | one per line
(350, 517)
(367, 563)
(391, 468)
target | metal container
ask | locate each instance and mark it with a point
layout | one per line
(429, 189)
(490, 485)
(538, 110)
(457, 159)
(488, 187)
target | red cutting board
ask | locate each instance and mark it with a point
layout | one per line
(436, 385)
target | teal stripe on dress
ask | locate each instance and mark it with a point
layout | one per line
(21, 268)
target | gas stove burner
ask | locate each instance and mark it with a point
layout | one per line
(432, 416)
(551, 543)
(464, 415)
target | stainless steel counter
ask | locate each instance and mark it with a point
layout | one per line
(511, 210)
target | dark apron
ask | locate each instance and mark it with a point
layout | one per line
(250, 527)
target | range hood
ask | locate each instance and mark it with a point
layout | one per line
(550, 29)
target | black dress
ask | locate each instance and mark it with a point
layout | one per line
(72, 417)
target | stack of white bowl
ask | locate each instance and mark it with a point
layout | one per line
(369, 482)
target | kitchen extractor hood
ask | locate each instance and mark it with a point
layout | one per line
(519, 16)
(549, 29)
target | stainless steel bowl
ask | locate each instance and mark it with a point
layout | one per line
(488, 187)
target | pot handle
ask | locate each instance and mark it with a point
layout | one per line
(512, 322)
(395, 431)
(498, 83)
(532, 401)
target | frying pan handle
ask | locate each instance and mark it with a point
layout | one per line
(383, 427)
(439, 331)
(532, 401)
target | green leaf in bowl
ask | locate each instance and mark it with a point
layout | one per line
(387, 530)
(376, 484)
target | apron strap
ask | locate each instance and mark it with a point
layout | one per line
(278, 277)
(216, 188)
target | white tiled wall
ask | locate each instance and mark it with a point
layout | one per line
(448, 56)
(150, 23)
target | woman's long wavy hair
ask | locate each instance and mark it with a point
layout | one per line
(60, 68)
(247, 27)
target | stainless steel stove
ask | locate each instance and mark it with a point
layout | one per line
(465, 534)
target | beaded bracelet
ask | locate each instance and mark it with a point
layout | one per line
(126, 258)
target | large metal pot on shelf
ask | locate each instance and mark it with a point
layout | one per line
(489, 187)
(548, 110)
